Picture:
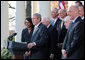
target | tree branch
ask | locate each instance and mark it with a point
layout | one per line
(11, 7)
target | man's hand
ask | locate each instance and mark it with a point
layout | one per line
(27, 53)
(51, 56)
(64, 53)
(30, 45)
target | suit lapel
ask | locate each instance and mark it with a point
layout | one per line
(35, 34)
(75, 23)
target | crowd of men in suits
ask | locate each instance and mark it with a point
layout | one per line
(61, 39)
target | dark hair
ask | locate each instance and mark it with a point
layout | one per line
(30, 20)
(80, 3)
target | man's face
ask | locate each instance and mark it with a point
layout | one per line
(62, 14)
(67, 23)
(71, 13)
(81, 11)
(53, 13)
(46, 23)
(35, 20)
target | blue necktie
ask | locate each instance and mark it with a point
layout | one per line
(70, 26)
(53, 23)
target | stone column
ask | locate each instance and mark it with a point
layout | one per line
(20, 18)
(4, 23)
(44, 8)
(34, 5)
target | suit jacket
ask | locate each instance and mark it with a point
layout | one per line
(51, 40)
(26, 37)
(56, 29)
(40, 38)
(74, 43)
(62, 34)
(58, 25)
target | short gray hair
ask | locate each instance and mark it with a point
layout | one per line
(67, 17)
(47, 19)
(75, 7)
(38, 15)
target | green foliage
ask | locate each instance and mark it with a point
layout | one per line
(6, 54)
(12, 39)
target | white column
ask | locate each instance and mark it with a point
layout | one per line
(4, 23)
(20, 18)
(44, 8)
(34, 8)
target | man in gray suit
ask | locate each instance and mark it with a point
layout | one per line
(38, 44)
(73, 46)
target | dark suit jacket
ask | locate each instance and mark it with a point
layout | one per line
(51, 40)
(62, 34)
(74, 42)
(26, 37)
(55, 31)
(40, 38)
(58, 25)
(57, 28)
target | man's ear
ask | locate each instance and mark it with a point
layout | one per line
(39, 19)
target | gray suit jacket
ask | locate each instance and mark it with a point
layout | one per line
(73, 42)
(40, 38)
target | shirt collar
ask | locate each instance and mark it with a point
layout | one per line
(37, 25)
(55, 20)
(75, 19)
(82, 17)
(48, 26)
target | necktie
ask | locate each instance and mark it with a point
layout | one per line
(35, 28)
(53, 23)
(70, 26)
(61, 24)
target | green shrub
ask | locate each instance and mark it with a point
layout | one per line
(6, 54)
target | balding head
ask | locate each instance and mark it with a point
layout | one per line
(67, 22)
(46, 21)
(73, 11)
(75, 7)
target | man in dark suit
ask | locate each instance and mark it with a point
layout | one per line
(62, 14)
(51, 43)
(38, 44)
(56, 29)
(81, 11)
(73, 46)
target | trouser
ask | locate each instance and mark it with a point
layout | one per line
(25, 57)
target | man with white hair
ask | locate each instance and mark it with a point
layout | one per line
(51, 42)
(73, 46)
(67, 22)
(46, 21)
